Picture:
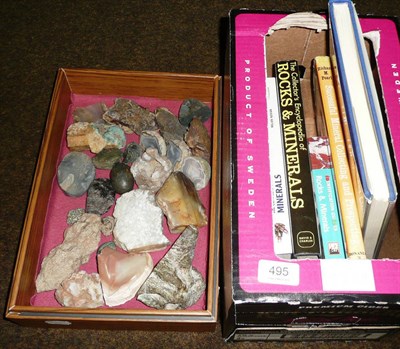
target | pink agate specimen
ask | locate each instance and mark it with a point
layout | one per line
(80, 290)
(121, 274)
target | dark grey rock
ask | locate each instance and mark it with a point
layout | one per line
(132, 152)
(101, 196)
(121, 178)
(107, 158)
(193, 108)
(75, 173)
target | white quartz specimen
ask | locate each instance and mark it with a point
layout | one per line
(138, 225)
(80, 290)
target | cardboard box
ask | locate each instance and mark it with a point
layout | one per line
(266, 297)
(80, 87)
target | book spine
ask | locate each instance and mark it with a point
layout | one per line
(325, 198)
(355, 177)
(348, 207)
(282, 231)
(306, 240)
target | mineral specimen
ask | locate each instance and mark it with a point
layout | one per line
(106, 158)
(94, 137)
(80, 240)
(198, 139)
(197, 170)
(75, 215)
(106, 136)
(121, 178)
(177, 151)
(108, 225)
(169, 126)
(132, 152)
(80, 290)
(174, 282)
(153, 139)
(121, 274)
(75, 173)
(100, 196)
(130, 116)
(138, 225)
(151, 170)
(193, 108)
(91, 113)
(179, 200)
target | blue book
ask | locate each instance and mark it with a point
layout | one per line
(365, 120)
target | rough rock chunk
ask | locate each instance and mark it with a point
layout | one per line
(80, 240)
(138, 225)
(151, 170)
(130, 116)
(80, 290)
(181, 204)
(100, 196)
(174, 282)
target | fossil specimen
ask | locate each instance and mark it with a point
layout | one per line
(175, 283)
(180, 202)
(121, 274)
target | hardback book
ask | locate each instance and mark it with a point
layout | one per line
(282, 230)
(366, 123)
(306, 239)
(325, 90)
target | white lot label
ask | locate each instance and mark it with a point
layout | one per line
(347, 275)
(278, 273)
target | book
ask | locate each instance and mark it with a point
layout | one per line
(355, 176)
(282, 230)
(325, 87)
(366, 123)
(306, 239)
(324, 188)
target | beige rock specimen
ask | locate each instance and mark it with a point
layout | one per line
(151, 170)
(80, 290)
(180, 202)
(80, 240)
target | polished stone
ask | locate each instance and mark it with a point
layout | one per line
(75, 173)
(121, 178)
